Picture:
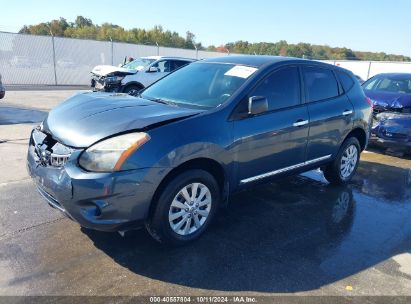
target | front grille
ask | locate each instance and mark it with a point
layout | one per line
(58, 160)
(48, 151)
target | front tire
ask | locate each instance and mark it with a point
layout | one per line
(184, 208)
(344, 166)
(132, 89)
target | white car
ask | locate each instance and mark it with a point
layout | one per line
(136, 74)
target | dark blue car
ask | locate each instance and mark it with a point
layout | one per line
(171, 156)
(391, 98)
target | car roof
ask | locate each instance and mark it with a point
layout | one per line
(398, 76)
(262, 60)
(168, 57)
(151, 57)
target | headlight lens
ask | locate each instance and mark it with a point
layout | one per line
(114, 79)
(110, 154)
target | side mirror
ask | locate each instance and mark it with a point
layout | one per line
(257, 105)
(152, 70)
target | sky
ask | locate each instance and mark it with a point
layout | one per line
(362, 25)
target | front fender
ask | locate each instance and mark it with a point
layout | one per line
(174, 143)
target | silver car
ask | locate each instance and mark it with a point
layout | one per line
(136, 74)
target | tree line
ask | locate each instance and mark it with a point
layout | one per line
(84, 28)
(305, 50)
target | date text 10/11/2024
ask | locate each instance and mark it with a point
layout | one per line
(203, 299)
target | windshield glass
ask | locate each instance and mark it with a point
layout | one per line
(205, 85)
(389, 84)
(138, 64)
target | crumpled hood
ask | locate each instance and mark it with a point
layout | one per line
(86, 118)
(388, 100)
(104, 70)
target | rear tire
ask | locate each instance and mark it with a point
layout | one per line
(177, 220)
(341, 170)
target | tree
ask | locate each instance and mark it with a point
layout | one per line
(190, 40)
(82, 22)
(84, 28)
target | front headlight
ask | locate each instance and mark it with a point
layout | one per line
(110, 154)
(114, 79)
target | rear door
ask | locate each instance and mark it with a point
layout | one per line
(330, 111)
(275, 141)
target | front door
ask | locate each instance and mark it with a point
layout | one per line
(163, 67)
(275, 141)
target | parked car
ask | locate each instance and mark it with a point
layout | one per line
(136, 74)
(173, 154)
(391, 97)
(392, 130)
(389, 92)
(2, 89)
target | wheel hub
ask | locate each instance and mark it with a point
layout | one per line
(190, 209)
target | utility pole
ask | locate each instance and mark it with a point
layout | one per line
(54, 55)
(112, 52)
(369, 70)
(196, 51)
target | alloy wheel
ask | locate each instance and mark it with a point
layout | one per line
(349, 160)
(190, 209)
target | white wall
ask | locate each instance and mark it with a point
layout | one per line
(367, 69)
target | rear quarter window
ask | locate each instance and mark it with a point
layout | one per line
(320, 84)
(346, 80)
(178, 64)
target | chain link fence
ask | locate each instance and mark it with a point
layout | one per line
(46, 60)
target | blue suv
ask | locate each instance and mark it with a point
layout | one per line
(170, 156)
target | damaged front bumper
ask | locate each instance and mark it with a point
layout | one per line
(106, 83)
(392, 130)
(101, 201)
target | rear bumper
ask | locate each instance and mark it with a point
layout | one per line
(100, 201)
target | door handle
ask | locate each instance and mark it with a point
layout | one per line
(300, 123)
(347, 112)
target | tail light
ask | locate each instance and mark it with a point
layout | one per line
(369, 101)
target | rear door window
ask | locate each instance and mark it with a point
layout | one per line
(320, 84)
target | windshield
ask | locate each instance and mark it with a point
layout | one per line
(204, 85)
(138, 64)
(389, 84)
